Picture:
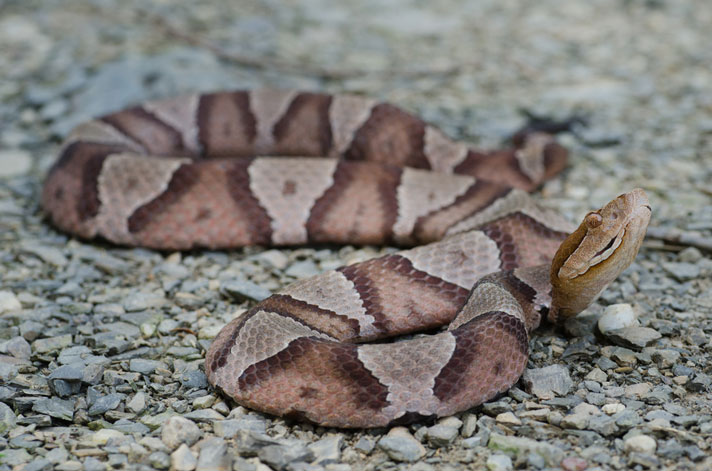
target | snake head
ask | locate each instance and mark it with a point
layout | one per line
(605, 243)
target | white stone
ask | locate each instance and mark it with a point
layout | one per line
(9, 302)
(183, 459)
(640, 444)
(499, 463)
(508, 418)
(14, 162)
(617, 316)
(102, 436)
(611, 409)
(597, 375)
(177, 430)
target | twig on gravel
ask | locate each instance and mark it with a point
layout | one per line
(267, 63)
(680, 237)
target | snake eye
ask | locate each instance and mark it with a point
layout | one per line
(593, 220)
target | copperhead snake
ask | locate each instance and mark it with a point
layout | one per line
(273, 167)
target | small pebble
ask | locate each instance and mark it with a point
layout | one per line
(617, 316)
(640, 444)
(177, 430)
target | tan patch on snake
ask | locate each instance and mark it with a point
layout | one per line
(202, 207)
(409, 368)
(490, 297)
(422, 192)
(514, 201)
(307, 179)
(443, 153)
(126, 182)
(401, 298)
(99, 131)
(346, 115)
(181, 114)
(461, 259)
(334, 292)
(268, 106)
(531, 156)
(490, 355)
(539, 280)
(360, 207)
(263, 335)
(156, 136)
(434, 226)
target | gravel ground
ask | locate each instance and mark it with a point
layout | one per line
(101, 348)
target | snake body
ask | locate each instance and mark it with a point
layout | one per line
(274, 167)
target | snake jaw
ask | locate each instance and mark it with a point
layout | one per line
(605, 243)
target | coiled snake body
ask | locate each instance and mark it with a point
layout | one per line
(273, 167)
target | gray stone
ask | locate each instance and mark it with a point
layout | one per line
(660, 394)
(182, 459)
(46, 253)
(499, 462)
(477, 440)
(696, 336)
(57, 455)
(302, 269)
(177, 430)
(548, 381)
(194, 379)
(682, 370)
(105, 403)
(640, 444)
(327, 450)
(700, 382)
(665, 358)
(146, 367)
(366, 444)
(204, 415)
(19, 348)
(140, 301)
(248, 443)
(39, 464)
(605, 363)
(137, 403)
(214, 455)
(8, 371)
(623, 356)
(634, 337)
(627, 419)
(159, 460)
(275, 258)
(400, 445)
(603, 425)
(129, 427)
(9, 302)
(228, 428)
(682, 271)
(55, 407)
(440, 435)
(51, 344)
(15, 457)
(14, 162)
(279, 456)
(519, 446)
(8, 420)
(240, 289)
(67, 373)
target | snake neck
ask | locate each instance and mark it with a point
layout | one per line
(524, 293)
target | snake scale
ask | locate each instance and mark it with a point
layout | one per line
(434, 329)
